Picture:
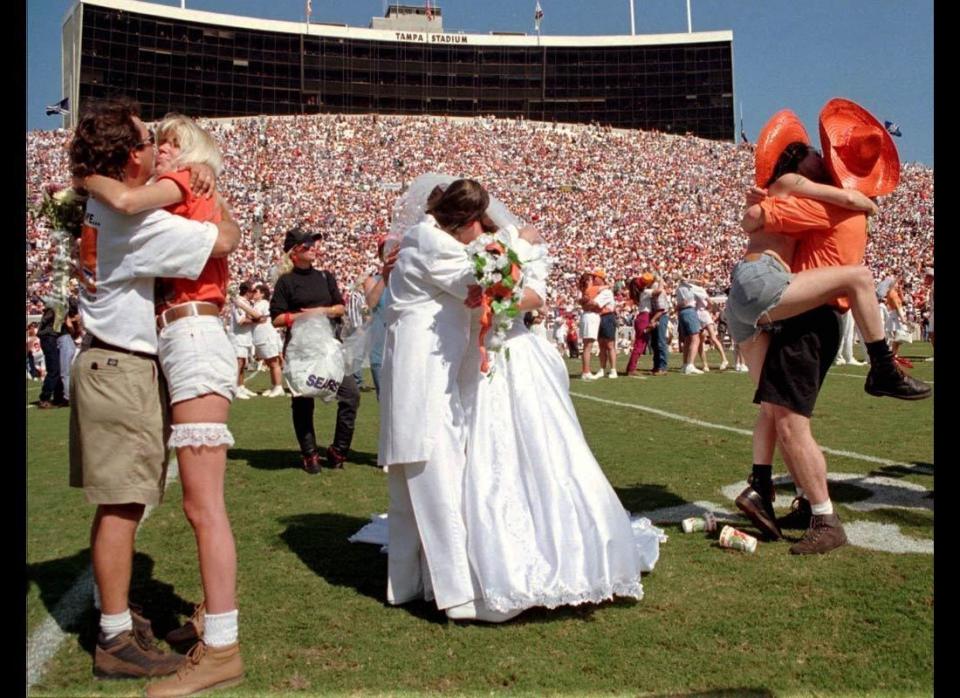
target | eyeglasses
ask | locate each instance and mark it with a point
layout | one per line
(307, 244)
(150, 140)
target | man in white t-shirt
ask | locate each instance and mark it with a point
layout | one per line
(117, 420)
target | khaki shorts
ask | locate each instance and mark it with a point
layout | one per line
(118, 428)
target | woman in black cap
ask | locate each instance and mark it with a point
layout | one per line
(308, 291)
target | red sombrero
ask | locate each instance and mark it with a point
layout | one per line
(858, 151)
(783, 129)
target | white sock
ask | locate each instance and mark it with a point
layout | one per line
(96, 596)
(111, 626)
(822, 509)
(800, 491)
(220, 629)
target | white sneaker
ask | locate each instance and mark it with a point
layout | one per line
(854, 362)
(244, 393)
(724, 365)
(241, 395)
(612, 374)
(840, 362)
(275, 391)
(706, 368)
(588, 377)
(598, 375)
(690, 370)
(742, 368)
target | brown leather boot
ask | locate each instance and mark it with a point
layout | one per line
(191, 631)
(825, 533)
(206, 668)
(126, 656)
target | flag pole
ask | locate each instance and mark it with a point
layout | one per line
(689, 21)
(633, 31)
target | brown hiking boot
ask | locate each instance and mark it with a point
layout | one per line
(799, 516)
(206, 668)
(127, 657)
(825, 533)
(759, 509)
(191, 631)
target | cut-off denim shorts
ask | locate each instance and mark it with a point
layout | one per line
(756, 288)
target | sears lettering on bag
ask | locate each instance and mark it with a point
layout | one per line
(321, 383)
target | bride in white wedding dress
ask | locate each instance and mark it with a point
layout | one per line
(544, 526)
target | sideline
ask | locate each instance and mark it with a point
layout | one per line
(861, 377)
(744, 432)
(49, 635)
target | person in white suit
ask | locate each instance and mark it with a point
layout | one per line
(422, 436)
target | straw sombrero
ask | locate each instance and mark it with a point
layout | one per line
(781, 130)
(858, 151)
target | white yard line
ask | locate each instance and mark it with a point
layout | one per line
(47, 638)
(735, 430)
(862, 377)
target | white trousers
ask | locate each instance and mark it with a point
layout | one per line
(428, 539)
(846, 337)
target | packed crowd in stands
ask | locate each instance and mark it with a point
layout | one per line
(623, 201)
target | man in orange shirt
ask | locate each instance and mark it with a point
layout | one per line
(802, 348)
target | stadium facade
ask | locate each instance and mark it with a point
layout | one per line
(215, 65)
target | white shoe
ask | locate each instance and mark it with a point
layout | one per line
(706, 368)
(612, 374)
(465, 611)
(741, 368)
(275, 391)
(244, 393)
(588, 377)
(929, 359)
(488, 615)
(241, 395)
(690, 370)
(854, 362)
(598, 375)
(839, 362)
(724, 365)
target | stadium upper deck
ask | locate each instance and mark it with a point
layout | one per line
(215, 65)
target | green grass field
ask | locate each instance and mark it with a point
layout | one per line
(313, 617)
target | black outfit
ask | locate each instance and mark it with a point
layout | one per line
(802, 349)
(52, 388)
(299, 290)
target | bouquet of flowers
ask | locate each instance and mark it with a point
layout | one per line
(63, 209)
(499, 274)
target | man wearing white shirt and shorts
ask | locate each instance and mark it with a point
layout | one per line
(118, 412)
(266, 340)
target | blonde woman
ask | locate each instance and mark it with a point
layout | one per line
(198, 361)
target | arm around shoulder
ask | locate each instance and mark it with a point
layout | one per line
(228, 233)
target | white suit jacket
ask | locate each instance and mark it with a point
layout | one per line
(427, 334)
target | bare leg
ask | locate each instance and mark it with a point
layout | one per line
(809, 468)
(587, 353)
(241, 364)
(276, 375)
(111, 543)
(203, 471)
(715, 341)
(813, 287)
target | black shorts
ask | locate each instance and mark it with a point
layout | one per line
(608, 326)
(802, 349)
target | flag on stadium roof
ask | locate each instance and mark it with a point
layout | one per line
(538, 15)
(61, 107)
(892, 128)
(429, 12)
(743, 134)
(309, 9)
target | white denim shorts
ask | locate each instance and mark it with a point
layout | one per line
(197, 358)
(589, 325)
(242, 344)
(266, 341)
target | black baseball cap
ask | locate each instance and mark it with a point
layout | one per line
(298, 236)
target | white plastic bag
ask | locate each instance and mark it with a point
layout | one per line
(314, 361)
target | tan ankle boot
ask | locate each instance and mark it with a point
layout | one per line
(206, 668)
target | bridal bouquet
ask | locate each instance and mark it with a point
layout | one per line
(498, 270)
(63, 209)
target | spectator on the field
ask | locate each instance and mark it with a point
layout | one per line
(266, 340)
(243, 318)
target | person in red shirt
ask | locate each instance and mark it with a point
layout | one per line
(828, 256)
(198, 361)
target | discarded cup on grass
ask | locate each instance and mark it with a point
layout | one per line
(737, 540)
(707, 522)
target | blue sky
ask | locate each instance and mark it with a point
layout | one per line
(787, 53)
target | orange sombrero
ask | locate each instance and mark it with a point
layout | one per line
(858, 151)
(781, 130)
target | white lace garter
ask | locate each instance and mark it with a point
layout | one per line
(200, 434)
